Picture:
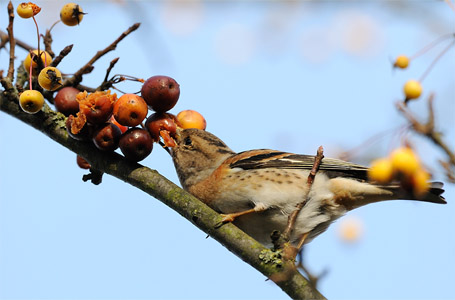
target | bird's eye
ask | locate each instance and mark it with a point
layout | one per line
(188, 141)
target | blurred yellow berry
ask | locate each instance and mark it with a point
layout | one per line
(31, 101)
(27, 10)
(381, 170)
(191, 119)
(71, 14)
(401, 62)
(45, 58)
(412, 89)
(404, 161)
(420, 182)
(50, 78)
(351, 229)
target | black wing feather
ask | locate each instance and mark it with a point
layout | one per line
(276, 159)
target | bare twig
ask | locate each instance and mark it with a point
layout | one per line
(23, 45)
(12, 41)
(88, 67)
(47, 40)
(61, 55)
(428, 130)
(286, 236)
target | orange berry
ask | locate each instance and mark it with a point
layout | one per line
(130, 110)
(405, 161)
(191, 119)
(31, 101)
(71, 14)
(401, 62)
(45, 58)
(50, 78)
(412, 89)
(381, 170)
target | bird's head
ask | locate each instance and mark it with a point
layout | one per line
(197, 154)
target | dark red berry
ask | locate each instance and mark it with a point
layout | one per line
(136, 144)
(161, 93)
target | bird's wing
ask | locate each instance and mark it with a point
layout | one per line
(260, 159)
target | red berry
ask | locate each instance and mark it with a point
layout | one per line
(65, 101)
(136, 144)
(161, 93)
(107, 137)
(82, 163)
(164, 125)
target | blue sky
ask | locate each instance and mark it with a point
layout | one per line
(288, 76)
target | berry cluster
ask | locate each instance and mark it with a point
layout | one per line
(110, 122)
(403, 166)
(37, 61)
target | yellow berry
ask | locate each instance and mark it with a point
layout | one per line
(191, 119)
(27, 10)
(45, 58)
(381, 170)
(71, 14)
(420, 182)
(404, 161)
(401, 62)
(412, 89)
(50, 78)
(31, 101)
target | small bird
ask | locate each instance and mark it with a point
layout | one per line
(258, 189)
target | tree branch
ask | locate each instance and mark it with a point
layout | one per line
(283, 273)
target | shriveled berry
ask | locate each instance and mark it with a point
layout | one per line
(161, 93)
(162, 125)
(78, 128)
(27, 10)
(97, 106)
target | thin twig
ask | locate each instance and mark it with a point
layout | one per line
(77, 77)
(61, 55)
(428, 128)
(293, 216)
(47, 40)
(12, 41)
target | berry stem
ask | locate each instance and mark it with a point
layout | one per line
(37, 33)
(31, 69)
(433, 63)
(431, 45)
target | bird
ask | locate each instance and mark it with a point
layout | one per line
(257, 190)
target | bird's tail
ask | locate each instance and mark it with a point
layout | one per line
(434, 194)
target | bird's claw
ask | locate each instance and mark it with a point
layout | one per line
(225, 219)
